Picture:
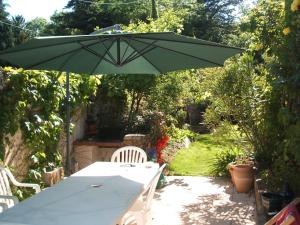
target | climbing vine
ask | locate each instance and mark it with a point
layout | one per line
(34, 102)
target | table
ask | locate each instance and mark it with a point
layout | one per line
(100, 194)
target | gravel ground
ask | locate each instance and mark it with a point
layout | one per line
(202, 200)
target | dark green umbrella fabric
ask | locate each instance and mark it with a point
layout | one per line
(120, 53)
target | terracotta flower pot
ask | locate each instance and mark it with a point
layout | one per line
(242, 177)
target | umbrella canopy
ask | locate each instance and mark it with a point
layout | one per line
(119, 53)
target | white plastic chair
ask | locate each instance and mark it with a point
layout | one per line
(129, 154)
(140, 212)
(7, 200)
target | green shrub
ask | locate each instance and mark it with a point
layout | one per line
(223, 158)
(177, 134)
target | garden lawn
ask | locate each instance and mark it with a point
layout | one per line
(197, 160)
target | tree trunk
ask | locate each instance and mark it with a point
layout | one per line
(154, 11)
(138, 103)
(130, 116)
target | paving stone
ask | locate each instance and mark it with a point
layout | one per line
(202, 200)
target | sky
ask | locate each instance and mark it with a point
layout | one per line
(31, 9)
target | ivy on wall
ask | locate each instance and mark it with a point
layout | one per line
(34, 101)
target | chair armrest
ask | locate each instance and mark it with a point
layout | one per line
(36, 187)
(4, 206)
(10, 197)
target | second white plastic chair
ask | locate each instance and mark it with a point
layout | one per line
(7, 200)
(129, 154)
(140, 212)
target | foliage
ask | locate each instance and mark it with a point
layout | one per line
(259, 91)
(135, 87)
(276, 31)
(222, 159)
(170, 20)
(20, 33)
(239, 96)
(6, 36)
(16, 30)
(178, 135)
(37, 26)
(85, 16)
(150, 93)
(212, 20)
(34, 101)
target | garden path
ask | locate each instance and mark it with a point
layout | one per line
(202, 200)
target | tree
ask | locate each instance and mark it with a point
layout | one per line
(20, 32)
(59, 25)
(211, 20)
(6, 36)
(85, 16)
(37, 26)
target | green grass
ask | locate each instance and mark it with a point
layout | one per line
(197, 160)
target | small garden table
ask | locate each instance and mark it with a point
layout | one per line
(100, 194)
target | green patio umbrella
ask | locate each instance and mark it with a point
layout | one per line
(117, 53)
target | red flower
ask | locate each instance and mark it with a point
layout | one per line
(160, 145)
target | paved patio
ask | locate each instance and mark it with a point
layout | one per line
(202, 200)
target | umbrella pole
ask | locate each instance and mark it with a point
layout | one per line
(68, 158)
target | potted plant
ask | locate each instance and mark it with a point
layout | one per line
(242, 173)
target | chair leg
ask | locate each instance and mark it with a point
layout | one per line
(142, 218)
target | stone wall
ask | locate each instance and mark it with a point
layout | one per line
(16, 155)
(138, 140)
(78, 133)
(88, 152)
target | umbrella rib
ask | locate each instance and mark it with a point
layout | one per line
(109, 54)
(97, 64)
(54, 57)
(65, 62)
(193, 43)
(95, 53)
(118, 51)
(149, 61)
(132, 53)
(128, 43)
(139, 53)
(172, 50)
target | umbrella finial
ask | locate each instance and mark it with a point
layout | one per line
(118, 28)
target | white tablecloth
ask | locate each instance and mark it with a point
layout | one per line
(100, 194)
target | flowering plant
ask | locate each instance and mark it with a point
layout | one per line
(160, 145)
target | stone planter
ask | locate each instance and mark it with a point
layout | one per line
(242, 176)
(53, 177)
(138, 140)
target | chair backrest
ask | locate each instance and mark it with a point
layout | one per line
(151, 190)
(129, 154)
(5, 187)
(287, 216)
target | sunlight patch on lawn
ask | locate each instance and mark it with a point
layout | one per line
(198, 158)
